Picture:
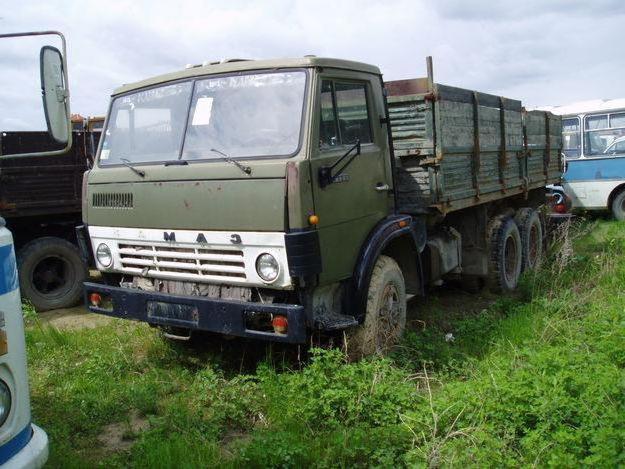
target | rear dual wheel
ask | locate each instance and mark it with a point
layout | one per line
(506, 253)
(516, 246)
(531, 230)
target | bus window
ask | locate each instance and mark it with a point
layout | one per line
(603, 134)
(617, 120)
(571, 137)
(617, 147)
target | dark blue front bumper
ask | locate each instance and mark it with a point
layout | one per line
(226, 317)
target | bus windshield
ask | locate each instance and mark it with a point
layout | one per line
(241, 116)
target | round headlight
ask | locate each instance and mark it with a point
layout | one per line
(267, 267)
(104, 256)
(5, 402)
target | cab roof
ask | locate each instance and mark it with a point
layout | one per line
(239, 65)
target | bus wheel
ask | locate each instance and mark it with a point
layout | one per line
(385, 316)
(531, 230)
(618, 206)
(505, 254)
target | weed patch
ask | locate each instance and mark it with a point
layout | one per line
(537, 378)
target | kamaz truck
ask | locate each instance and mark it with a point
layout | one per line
(274, 198)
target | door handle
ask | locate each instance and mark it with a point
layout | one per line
(380, 187)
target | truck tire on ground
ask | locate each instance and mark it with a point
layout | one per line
(385, 317)
(531, 230)
(618, 206)
(51, 273)
(505, 254)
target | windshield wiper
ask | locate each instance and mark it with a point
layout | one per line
(126, 162)
(245, 169)
(176, 163)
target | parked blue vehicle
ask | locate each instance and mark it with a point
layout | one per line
(593, 139)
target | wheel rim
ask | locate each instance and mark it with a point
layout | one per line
(510, 258)
(533, 245)
(53, 277)
(389, 318)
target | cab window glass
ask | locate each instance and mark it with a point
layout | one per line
(328, 133)
(344, 114)
(351, 101)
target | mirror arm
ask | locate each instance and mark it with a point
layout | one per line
(325, 172)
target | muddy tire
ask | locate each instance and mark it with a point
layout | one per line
(506, 254)
(385, 316)
(531, 230)
(618, 206)
(51, 273)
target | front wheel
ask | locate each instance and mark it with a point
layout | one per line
(385, 316)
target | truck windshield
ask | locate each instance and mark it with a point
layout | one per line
(242, 116)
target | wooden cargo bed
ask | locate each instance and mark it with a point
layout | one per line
(456, 148)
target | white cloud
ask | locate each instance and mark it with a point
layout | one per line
(540, 52)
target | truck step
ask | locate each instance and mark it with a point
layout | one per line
(335, 322)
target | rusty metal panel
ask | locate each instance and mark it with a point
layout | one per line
(407, 87)
(544, 146)
(41, 185)
(456, 148)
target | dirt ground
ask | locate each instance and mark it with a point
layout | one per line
(73, 318)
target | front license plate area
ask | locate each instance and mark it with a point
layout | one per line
(177, 312)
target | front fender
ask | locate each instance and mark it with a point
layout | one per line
(390, 228)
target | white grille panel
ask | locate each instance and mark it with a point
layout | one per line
(145, 252)
(191, 263)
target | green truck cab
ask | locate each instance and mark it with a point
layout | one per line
(270, 199)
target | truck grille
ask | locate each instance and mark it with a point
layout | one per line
(199, 264)
(112, 200)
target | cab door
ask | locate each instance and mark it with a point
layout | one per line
(348, 108)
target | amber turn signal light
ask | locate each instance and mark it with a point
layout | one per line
(313, 219)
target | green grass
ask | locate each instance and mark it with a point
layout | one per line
(537, 378)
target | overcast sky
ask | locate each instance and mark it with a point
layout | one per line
(542, 52)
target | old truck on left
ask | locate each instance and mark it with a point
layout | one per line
(40, 200)
(22, 443)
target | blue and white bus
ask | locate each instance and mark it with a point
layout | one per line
(593, 139)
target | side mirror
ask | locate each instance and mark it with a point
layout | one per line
(54, 93)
